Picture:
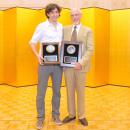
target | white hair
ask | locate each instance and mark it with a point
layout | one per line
(76, 10)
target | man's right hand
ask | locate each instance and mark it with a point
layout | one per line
(40, 59)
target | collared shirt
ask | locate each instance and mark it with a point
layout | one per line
(47, 32)
(77, 28)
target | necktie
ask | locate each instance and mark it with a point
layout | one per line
(74, 34)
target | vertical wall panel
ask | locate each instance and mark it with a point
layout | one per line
(119, 71)
(101, 46)
(98, 21)
(1, 49)
(9, 46)
(88, 19)
(26, 62)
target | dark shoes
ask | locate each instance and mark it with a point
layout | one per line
(68, 119)
(83, 121)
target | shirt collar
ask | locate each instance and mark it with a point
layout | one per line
(50, 24)
(78, 26)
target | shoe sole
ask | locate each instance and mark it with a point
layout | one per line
(58, 123)
(69, 121)
(39, 128)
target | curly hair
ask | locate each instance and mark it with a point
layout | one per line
(51, 7)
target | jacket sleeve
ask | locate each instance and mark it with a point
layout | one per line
(89, 49)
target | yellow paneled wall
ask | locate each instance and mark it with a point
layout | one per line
(65, 18)
(111, 55)
(9, 28)
(27, 20)
(98, 21)
(19, 61)
(26, 62)
(88, 19)
(102, 23)
(119, 65)
(1, 49)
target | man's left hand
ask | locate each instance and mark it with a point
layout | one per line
(78, 66)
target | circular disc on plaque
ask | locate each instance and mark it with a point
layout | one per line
(50, 48)
(71, 49)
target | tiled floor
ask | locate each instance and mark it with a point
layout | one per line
(107, 108)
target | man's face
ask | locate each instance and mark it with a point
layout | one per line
(53, 15)
(76, 16)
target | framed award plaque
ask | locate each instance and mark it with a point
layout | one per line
(50, 53)
(70, 53)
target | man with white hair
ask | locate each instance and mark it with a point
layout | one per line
(75, 78)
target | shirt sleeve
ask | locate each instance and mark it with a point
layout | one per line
(36, 35)
(89, 50)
